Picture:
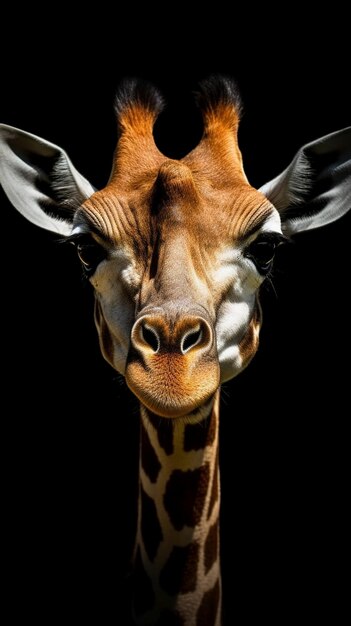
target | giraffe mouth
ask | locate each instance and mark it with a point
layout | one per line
(172, 407)
(171, 388)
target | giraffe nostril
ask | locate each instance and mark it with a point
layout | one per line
(156, 334)
(191, 339)
(150, 337)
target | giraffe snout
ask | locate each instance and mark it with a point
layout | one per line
(172, 365)
(156, 335)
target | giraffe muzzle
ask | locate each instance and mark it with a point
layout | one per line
(172, 366)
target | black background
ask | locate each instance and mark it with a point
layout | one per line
(70, 427)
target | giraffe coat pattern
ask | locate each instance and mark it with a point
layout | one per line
(176, 252)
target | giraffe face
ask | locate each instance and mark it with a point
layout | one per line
(176, 252)
(176, 267)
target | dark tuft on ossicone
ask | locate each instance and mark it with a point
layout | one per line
(216, 91)
(135, 92)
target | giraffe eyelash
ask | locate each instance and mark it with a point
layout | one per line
(89, 251)
(261, 251)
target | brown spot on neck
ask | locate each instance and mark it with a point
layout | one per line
(185, 495)
(150, 526)
(211, 547)
(215, 489)
(209, 607)
(164, 429)
(149, 461)
(198, 436)
(179, 574)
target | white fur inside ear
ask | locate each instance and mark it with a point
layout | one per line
(292, 186)
(40, 180)
(315, 189)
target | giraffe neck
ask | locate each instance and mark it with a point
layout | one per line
(176, 569)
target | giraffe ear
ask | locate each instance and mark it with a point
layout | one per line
(315, 189)
(40, 180)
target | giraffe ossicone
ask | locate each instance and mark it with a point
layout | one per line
(176, 252)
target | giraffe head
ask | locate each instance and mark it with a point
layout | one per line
(177, 250)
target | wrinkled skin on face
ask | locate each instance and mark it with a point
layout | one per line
(175, 284)
(176, 294)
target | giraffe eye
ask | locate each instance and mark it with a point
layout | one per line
(262, 251)
(90, 254)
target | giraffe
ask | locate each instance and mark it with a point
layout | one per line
(176, 252)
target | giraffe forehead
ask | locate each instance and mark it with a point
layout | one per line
(176, 199)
